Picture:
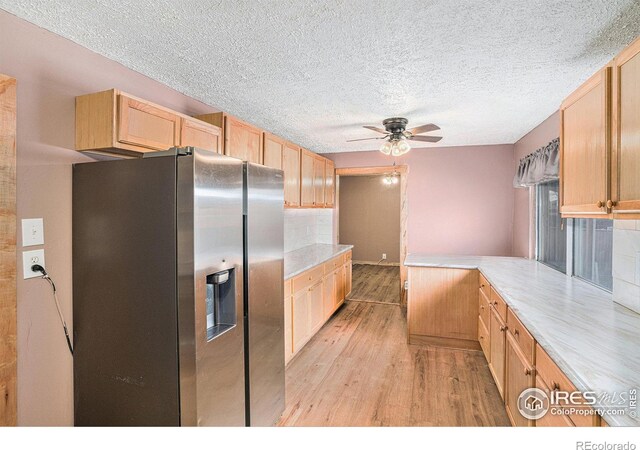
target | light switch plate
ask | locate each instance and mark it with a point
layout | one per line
(29, 259)
(32, 232)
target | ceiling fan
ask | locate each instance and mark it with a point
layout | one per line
(397, 135)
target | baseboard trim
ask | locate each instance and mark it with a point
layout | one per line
(436, 341)
(376, 263)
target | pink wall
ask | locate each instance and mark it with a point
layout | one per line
(51, 72)
(460, 199)
(523, 228)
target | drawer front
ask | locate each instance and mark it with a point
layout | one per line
(484, 309)
(499, 304)
(287, 288)
(308, 278)
(333, 264)
(483, 338)
(554, 378)
(551, 420)
(485, 286)
(520, 334)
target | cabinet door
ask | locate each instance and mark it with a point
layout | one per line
(329, 295)
(349, 276)
(242, 141)
(549, 419)
(519, 376)
(195, 133)
(329, 183)
(306, 177)
(291, 167)
(497, 341)
(585, 145)
(273, 149)
(484, 338)
(318, 182)
(301, 322)
(340, 286)
(316, 307)
(288, 332)
(145, 125)
(626, 150)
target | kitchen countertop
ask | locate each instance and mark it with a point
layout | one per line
(595, 341)
(297, 261)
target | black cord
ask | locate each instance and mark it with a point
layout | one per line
(45, 275)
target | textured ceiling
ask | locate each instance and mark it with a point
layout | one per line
(487, 72)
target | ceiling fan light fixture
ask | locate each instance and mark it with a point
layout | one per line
(400, 147)
(386, 147)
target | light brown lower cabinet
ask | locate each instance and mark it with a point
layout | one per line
(498, 342)
(519, 376)
(316, 295)
(484, 338)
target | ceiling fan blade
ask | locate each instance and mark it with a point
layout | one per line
(424, 128)
(425, 138)
(379, 130)
(366, 139)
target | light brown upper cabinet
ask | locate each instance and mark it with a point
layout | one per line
(291, 167)
(329, 183)
(273, 151)
(307, 194)
(318, 182)
(118, 123)
(625, 164)
(241, 139)
(196, 133)
(585, 148)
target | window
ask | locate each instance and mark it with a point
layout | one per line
(593, 251)
(550, 235)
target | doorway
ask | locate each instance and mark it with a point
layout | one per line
(371, 212)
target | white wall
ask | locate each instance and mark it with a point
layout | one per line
(626, 263)
(304, 227)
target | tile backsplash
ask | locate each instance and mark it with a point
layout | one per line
(626, 263)
(304, 227)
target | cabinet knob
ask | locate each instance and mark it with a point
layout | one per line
(527, 371)
(482, 285)
(503, 329)
(495, 303)
(611, 204)
(600, 204)
(481, 306)
(516, 332)
(555, 386)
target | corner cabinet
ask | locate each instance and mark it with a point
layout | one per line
(625, 168)
(241, 139)
(585, 148)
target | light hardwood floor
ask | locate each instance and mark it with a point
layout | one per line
(358, 370)
(375, 283)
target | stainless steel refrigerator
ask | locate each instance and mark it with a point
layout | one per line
(177, 291)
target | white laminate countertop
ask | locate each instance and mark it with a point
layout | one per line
(595, 341)
(297, 261)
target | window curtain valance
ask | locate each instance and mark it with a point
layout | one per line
(538, 167)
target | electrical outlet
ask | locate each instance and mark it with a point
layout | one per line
(384, 256)
(32, 232)
(29, 259)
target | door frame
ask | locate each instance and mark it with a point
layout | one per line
(403, 171)
(8, 367)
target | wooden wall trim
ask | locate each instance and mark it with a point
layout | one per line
(8, 327)
(403, 170)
